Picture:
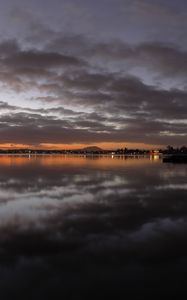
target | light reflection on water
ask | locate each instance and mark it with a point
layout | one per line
(91, 222)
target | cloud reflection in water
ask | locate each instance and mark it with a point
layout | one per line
(73, 225)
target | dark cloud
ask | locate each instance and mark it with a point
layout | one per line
(43, 126)
(126, 108)
(136, 89)
(20, 69)
(166, 59)
(37, 59)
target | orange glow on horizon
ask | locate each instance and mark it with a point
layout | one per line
(105, 146)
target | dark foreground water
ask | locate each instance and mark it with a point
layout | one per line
(90, 228)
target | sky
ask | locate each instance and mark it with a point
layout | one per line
(110, 73)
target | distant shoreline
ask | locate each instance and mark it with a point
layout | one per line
(95, 151)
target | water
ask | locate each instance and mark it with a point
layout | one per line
(93, 227)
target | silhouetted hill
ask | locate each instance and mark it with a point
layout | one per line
(92, 149)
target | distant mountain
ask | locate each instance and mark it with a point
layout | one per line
(92, 149)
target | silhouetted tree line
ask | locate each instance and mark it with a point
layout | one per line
(172, 150)
(122, 151)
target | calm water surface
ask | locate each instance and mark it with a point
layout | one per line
(82, 227)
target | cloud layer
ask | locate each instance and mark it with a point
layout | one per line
(114, 89)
